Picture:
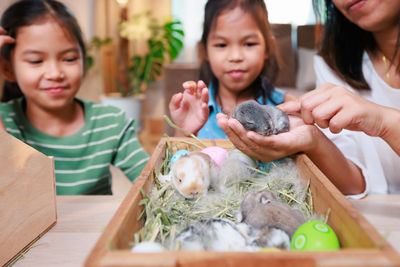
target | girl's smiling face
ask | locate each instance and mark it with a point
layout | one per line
(47, 64)
(236, 50)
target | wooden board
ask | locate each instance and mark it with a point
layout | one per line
(27, 196)
(361, 243)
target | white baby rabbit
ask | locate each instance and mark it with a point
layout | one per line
(237, 167)
(193, 174)
(211, 234)
(264, 237)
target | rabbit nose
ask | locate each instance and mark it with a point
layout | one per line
(195, 193)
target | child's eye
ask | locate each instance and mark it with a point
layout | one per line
(71, 59)
(250, 44)
(220, 45)
(35, 62)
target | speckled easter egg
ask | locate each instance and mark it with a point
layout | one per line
(218, 154)
(178, 154)
(315, 236)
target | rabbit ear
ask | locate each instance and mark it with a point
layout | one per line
(265, 200)
(164, 178)
(240, 217)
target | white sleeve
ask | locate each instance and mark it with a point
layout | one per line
(355, 146)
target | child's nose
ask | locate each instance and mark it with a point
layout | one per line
(54, 72)
(236, 54)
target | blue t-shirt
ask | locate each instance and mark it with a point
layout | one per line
(211, 129)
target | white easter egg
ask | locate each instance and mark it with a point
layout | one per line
(148, 247)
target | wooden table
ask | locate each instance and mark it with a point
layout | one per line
(81, 220)
(383, 212)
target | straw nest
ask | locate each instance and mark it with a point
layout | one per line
(166, 212)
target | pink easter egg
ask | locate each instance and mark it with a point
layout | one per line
(218, 154)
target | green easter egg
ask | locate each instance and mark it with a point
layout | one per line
(314, 236)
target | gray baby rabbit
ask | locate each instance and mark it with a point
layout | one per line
(263, 209)
(263, 119)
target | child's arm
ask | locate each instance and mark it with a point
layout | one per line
(130, 156)
(2, 127)
(189, 110)
(305, 138)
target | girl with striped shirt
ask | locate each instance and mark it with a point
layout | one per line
(43, 56)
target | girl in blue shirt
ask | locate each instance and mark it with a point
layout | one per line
(240, 63)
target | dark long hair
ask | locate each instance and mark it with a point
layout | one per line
(343, 44)
(27, 12)
(262, 86)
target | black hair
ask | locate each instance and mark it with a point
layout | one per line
(27, 12)
(262, 86)
(343, 44)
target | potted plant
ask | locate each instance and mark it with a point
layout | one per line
(154, 43)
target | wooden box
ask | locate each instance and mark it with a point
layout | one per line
(27, 196)
(361, 243)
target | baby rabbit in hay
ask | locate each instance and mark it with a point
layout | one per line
(193, 174)
(262, 210)
(264, 221)
(263, 119)
(217, 234)
(211, 234)
(196, 172)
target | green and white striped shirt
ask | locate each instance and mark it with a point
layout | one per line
(82, 160)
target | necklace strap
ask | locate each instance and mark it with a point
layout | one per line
(387, 69)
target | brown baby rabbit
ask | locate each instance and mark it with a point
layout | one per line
(193, 174)
(263, 209)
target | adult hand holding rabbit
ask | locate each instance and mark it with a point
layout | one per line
(302, 137)
(338, 108)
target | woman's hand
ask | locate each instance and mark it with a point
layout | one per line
(189, 110)
(302, 137)
(337, 108)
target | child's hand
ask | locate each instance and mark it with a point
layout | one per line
(189, 110)
(337, 108)
(301, 137)
(4, 38)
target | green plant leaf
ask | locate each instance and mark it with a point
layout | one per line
(164, 45)
(89, 62)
